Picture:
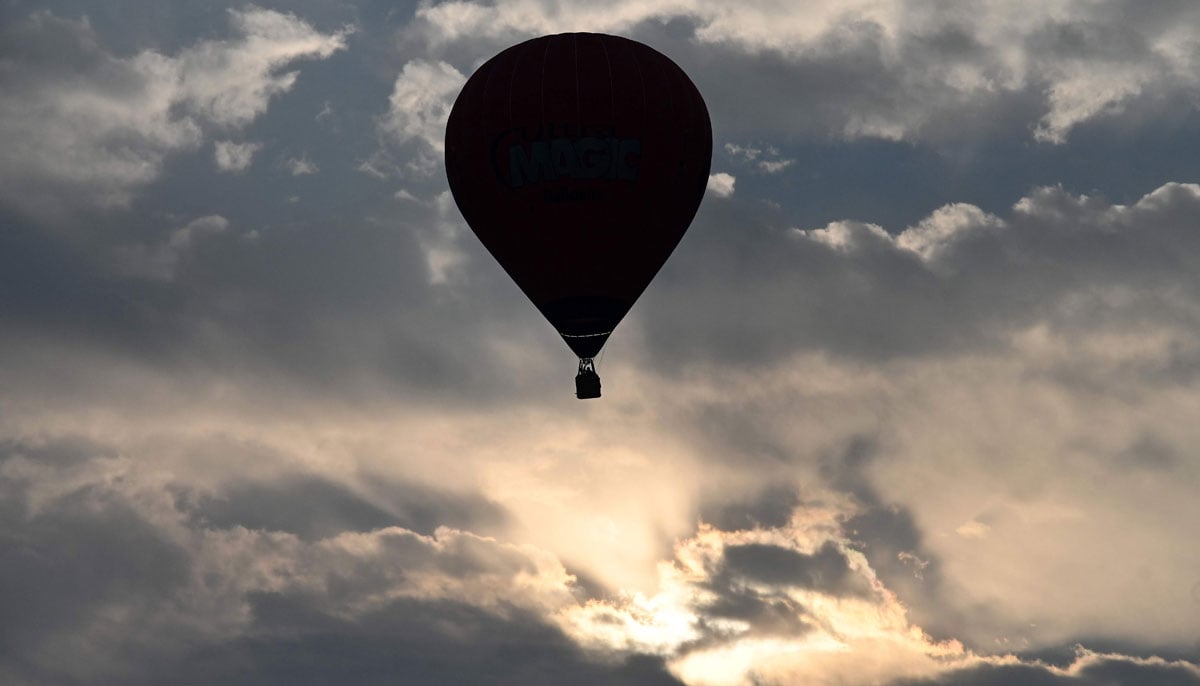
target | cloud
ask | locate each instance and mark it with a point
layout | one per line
(1068, 316)
(1088, 668)
(160, 261)
(230, 84)
(444, 255)
(300, 166)
(150, 596)
(234, 157)
(189, 595)
(752, 24)
(326, 112)
(1069, 311)
(88, 129)
(721, 184)
(825, 569)
(893, 70)
(271, 558)
(775, 166)
(846, 236)
(314, 508)
(186, 583)
(767, 161)
(958, 275)
(418, 108)
(752, 605)
(973, 529)
(939, 231)
(244, 438)
(730, 611)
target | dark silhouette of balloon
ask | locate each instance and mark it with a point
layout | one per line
(579, 161)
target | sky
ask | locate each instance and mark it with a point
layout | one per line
(913, 403)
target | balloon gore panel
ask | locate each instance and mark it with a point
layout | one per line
(579, 160)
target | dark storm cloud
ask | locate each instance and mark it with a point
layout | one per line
(93, 556)
(90, 550)
(825, 570)
(772, 507)
(765, 614)
(405, 642)
(63, 563)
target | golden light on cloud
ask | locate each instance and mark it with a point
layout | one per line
(842, 630)
(973, 529)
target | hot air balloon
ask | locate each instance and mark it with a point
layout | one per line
(579, 160)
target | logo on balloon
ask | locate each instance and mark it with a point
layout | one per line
(550, 153)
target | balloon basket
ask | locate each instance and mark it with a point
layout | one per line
(587, 381)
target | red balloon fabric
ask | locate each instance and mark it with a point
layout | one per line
(579, 160)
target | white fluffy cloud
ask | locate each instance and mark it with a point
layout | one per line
(928, 239)
(418, 108)
(721, 184)
(231, 83)
(86, 129)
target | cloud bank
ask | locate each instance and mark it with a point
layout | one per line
(894, 69)
(270, 414)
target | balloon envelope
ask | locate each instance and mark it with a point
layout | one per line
(579, 161)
